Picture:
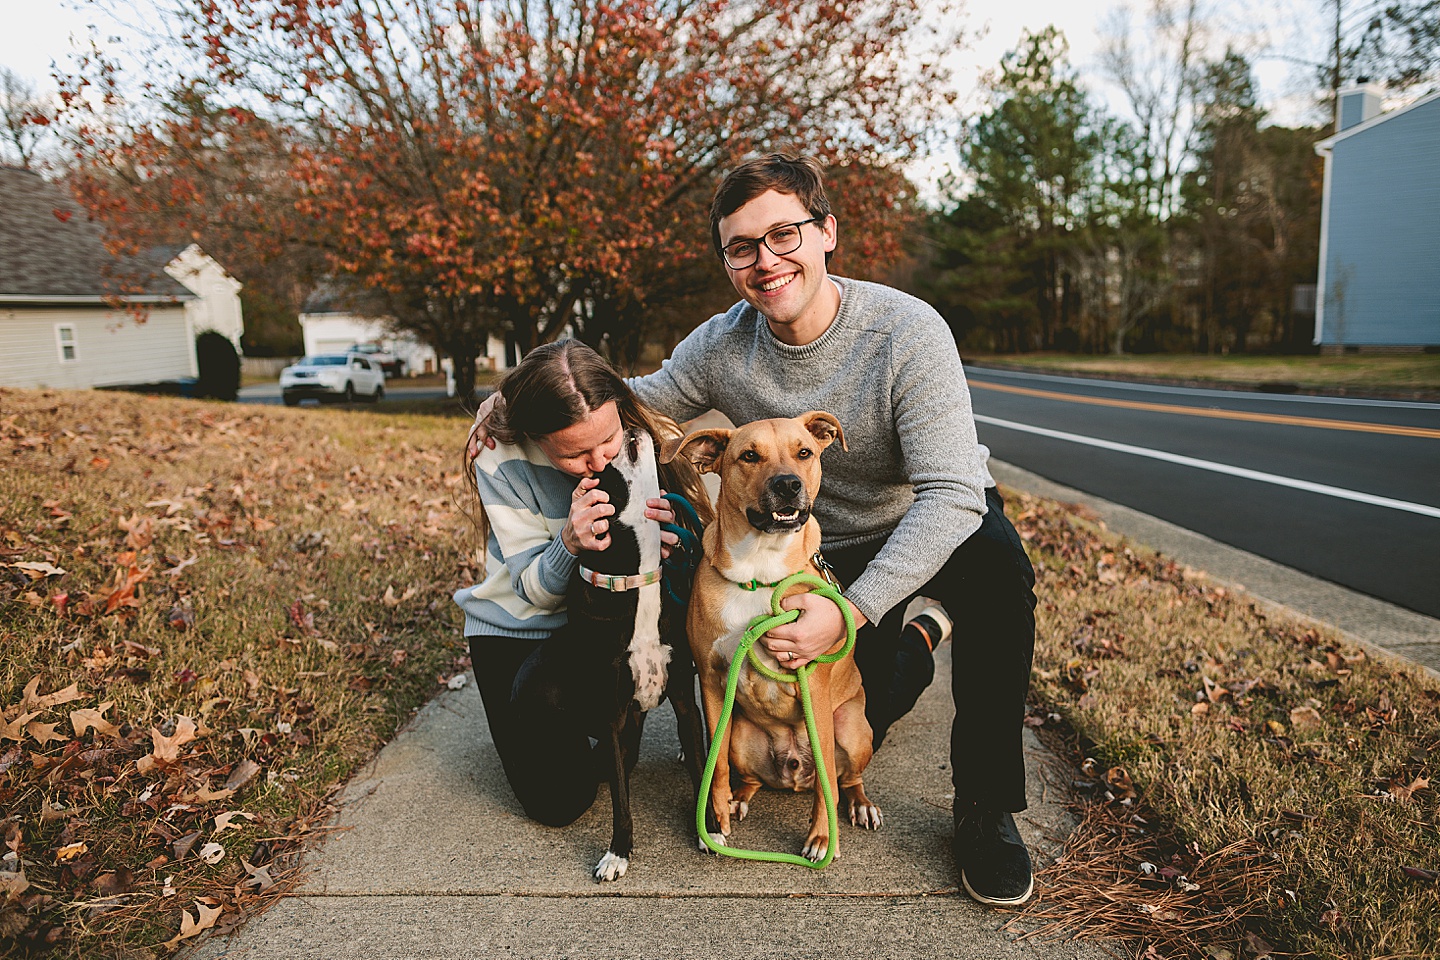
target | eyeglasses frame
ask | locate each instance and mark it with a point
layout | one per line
(725, 256)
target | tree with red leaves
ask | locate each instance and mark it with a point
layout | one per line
(508, 167)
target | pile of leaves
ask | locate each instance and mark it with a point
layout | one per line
(1254, 785)
(211, 615)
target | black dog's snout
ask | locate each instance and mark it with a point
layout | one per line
(787, 485)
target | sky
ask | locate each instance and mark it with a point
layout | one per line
(39, 33)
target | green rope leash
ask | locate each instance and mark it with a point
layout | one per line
(758, 627)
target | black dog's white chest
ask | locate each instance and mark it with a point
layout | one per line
(632, 616)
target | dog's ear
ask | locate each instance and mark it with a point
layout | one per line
(823, 427)
(702, 448)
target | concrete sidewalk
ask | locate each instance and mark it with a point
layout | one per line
(433, 858)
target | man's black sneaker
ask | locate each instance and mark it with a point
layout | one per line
(993, 862)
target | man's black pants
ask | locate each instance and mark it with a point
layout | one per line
(988, 589)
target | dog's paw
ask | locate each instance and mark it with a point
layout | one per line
(814, 849)
(611, 867)
(738, 809)
(716, 838)
(866, 815)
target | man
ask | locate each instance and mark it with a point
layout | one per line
(909, 510)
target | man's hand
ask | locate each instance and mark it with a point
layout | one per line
(478, 433)
(819, 628)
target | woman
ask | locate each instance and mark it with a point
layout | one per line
(562, 421)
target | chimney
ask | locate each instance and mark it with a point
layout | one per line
(1359, 103)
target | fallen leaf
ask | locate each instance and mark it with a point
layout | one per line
(1257, 947)
(243, 773)
(1306, 718)
(34, 700)
(44, 732)
(87, 718)
(39, 571)
(1420, 873)
(1119, 782)
(205, 918)
(70, 852)
(13, 883)
(257, 877)
(390, 600)
(1400, 792)
(184, 845)
(226, 821)
(212, 853)
(167, 749)
(15, 729)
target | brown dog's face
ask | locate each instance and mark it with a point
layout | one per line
(769, 470)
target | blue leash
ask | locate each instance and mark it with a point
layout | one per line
(680, 566)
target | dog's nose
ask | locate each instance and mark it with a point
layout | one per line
(787, 485)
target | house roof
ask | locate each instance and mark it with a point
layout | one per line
(52, 252)
(1325, 145)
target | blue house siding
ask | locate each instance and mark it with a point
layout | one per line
(1381, 262)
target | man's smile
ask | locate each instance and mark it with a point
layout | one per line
(770, 286)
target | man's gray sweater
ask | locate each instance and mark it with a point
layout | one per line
(888, 369)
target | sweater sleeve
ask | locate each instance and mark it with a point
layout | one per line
(681, 388)
(535, 557)
(930, 403)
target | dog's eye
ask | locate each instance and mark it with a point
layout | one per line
(805, 453)
(750, 456)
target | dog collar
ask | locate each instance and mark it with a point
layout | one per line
(753, 585)
(618, 584)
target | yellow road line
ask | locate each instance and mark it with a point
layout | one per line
(1385, 428)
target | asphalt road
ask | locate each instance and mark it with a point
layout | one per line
(1344, 489)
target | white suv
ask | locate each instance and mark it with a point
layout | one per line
(337, 376)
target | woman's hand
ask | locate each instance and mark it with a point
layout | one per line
(478, 432)
(659, 510)
(587, 527)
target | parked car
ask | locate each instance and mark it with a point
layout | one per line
(391, 364)
(335, 376)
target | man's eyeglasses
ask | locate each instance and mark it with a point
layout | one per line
(743, 253)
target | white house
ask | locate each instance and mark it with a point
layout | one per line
(1380, 225)
(64, 320)
(329, 324)
(217, 294)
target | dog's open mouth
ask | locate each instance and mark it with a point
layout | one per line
(777, 521)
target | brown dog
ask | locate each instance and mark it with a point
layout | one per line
(769, 476)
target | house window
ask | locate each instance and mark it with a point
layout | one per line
(65, 339)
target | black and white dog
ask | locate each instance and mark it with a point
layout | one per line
(621, 610)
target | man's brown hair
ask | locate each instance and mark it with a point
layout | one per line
(799, 177)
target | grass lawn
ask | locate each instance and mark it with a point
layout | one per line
(1413, 373)
(213, 613)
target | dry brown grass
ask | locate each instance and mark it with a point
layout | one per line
(252, 601)
(1278, 770)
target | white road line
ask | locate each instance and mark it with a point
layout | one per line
(1422, 509)
(980, 373)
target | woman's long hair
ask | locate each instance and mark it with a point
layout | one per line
(560, 384)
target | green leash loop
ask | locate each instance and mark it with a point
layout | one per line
(758, 628)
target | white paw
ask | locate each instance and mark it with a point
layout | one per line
(814, 851)
(716, 838)
(738, 809)
(611, 867)
(866, 815)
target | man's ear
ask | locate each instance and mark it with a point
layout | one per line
(823, 427)
(703, 448)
